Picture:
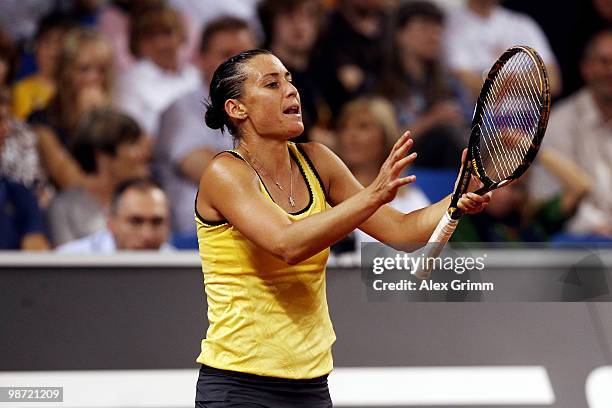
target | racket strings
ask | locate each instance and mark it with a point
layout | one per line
(510, 116)
(508, 120)
(510, 125)
(517, 122)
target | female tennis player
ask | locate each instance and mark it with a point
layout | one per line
(264, 230)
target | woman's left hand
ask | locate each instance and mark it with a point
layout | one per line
(472, 203)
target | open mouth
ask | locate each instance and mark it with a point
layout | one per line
(292, 110)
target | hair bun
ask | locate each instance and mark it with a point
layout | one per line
(214, 118)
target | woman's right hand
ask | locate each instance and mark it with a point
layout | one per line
(90, 98)
(384, 188)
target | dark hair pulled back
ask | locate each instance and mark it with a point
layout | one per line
(227, 83)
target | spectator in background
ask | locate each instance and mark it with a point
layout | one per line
(604, 9)
(568, 29)
(8, 58)
(84, 76)
(428, 100)
(290, 31)
(21, 224)
(158, 78)
(20, 162)
(367, 130)
(115, 20)
(185, 144)
(34, 92)
(349, 52)
(481, 30)
(110, 148)
(139, 219)
(203, 12)
(581, 128)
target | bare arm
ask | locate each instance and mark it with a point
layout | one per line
(575, 182)
(35, 242)
(59, 164)
(386, 224)
(231, 189)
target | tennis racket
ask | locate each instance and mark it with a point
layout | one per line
(509, 122)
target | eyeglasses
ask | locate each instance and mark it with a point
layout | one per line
(138, 221)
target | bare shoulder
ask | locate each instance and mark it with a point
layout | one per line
(224, 172)
(224, 180)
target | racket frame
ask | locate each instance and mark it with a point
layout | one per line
(473, 164)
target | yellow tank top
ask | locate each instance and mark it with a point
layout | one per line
(266, 317)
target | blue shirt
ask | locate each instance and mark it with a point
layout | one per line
(101, 242)
(19, 214)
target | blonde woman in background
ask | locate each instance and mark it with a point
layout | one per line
(36, 90)
(367, 130)
(84, 80)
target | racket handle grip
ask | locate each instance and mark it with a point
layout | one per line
(436, 243)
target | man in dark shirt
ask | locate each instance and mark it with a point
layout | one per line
(349, 54)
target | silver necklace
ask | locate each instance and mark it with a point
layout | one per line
(261, 168)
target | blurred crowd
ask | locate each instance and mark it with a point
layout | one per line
(102, 134)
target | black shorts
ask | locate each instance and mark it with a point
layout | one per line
(229, 389)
